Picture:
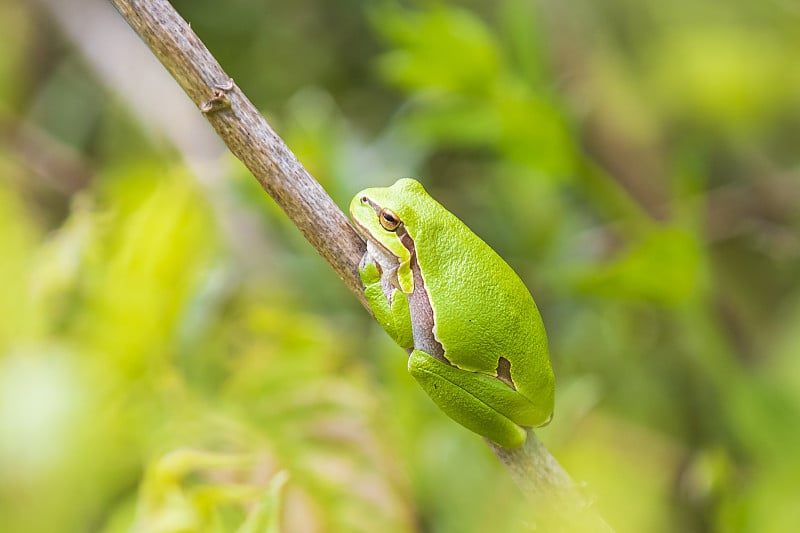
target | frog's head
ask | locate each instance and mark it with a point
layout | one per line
(383, 214)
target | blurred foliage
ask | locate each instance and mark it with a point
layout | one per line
(636, 162)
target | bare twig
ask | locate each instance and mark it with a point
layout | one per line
(559, 503)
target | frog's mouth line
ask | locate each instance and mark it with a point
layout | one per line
(365, 234)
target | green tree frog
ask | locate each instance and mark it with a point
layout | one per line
(475, 339)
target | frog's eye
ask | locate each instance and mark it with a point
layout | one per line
(389, 219)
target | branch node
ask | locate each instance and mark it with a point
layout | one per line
(219, 100)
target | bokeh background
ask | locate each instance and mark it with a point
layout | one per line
(175, 358)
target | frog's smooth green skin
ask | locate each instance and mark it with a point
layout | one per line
(476, 341)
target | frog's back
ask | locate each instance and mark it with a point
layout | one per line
(490, 314)
(489, 309)
(482, 309)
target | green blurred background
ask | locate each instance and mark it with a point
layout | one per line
(175, 358)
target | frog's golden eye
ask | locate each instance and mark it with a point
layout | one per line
(389, 219)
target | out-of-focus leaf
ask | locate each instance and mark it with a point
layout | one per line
(630, 469)
(265, 516)
(140, 275)
(16, 32)
(36, 441)
(17, 240)
(666, 267)
(767, 501)
(290, 381)
(187, 490)
(441, 49)
(728, 77)
(468, 98)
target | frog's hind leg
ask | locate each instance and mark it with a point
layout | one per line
(481, 403)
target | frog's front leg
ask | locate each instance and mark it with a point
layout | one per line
(477, 401)
(389, 305)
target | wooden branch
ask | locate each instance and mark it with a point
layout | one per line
(248, 135)
(556, 499)
(558, 504)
